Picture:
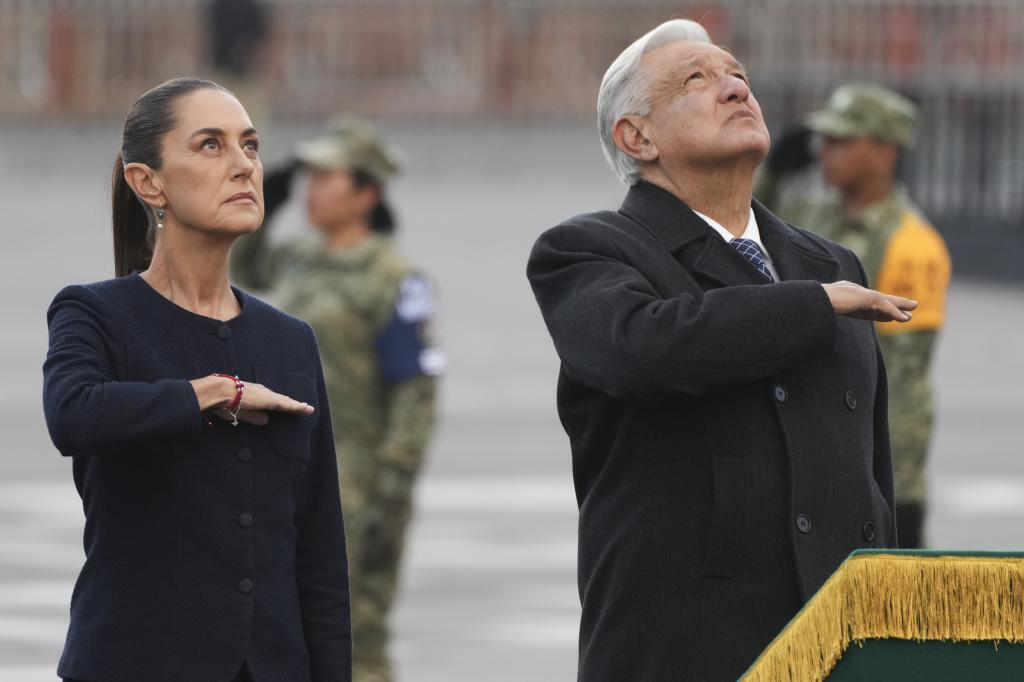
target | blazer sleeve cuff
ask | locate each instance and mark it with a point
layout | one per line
(182, 411)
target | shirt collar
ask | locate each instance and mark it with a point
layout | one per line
(752, 232)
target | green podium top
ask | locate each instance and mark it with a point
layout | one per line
(916, 595)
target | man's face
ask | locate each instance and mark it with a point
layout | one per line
(702, 109)
(847, 163)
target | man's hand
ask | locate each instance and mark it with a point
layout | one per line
(853, 300)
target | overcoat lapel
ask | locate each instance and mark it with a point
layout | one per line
(712, 261)
(793, 254)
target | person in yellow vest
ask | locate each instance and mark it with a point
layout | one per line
(859, 138)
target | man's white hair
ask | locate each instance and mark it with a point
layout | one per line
(624, 90)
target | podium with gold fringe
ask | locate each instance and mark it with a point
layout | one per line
(908, 615)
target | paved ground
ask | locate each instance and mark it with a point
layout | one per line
(490, 580)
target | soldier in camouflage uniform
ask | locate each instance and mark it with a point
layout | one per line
(371, 313)
(860, 136)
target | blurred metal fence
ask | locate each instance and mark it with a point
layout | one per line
(543, 59)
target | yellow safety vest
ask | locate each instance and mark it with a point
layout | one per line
(916, 265)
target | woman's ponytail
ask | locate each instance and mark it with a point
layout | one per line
(133, 246)
(149, 119)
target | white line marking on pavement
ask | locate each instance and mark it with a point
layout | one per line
(29, 673)
(975, 497)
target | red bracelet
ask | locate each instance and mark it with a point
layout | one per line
(239, 389)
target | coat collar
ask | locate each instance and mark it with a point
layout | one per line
(707, 255)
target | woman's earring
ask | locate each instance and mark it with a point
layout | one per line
(160, 215)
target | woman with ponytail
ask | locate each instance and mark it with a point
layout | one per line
(196, 418)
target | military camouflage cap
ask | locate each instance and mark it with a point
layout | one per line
(866, 110)
(351, 144)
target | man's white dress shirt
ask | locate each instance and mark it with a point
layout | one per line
(752, 233)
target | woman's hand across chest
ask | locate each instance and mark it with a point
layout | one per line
(250, 404)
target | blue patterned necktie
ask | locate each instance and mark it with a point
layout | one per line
(749, 249)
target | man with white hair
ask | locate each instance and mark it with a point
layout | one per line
(720, 383)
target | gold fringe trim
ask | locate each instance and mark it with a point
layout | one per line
(900, 596)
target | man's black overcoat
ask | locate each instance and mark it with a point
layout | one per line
(729, 437)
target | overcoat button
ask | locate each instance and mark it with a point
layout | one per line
(851, 400)
(244, 455)
(781, 394)
(869, 531)
(224, 332)
(245, 520)
(803, 524)
(245, 586)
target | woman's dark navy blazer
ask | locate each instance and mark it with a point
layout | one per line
(205, 546)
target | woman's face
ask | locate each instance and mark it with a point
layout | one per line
(333, 201)
(211, 176)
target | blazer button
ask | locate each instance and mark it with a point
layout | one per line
(245, 520)
(245, 586)
(869, 531)
(851, 400)
(803, 524)
(244, 455)
(781, 394)
(224, 332)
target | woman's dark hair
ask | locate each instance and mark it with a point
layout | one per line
(381, 218)
(149, 119)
